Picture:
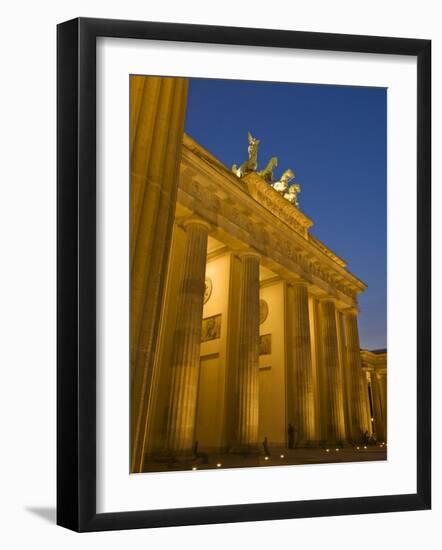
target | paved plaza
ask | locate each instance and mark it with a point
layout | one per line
(276, 457)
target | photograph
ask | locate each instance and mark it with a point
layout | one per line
(218, 226)
(258, 274)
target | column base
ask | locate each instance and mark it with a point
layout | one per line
(171, 457)
(366, 439)
(341, 444)
(358, 441)
(248, 449)
(308, 444)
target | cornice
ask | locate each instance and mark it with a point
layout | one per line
(325, 250)
(376, 362)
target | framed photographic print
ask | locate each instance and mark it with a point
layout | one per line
(243, 274)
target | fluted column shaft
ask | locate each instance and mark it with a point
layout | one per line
(248, 356)
(301, 359)
(358, 404)
(377, 405)
(321, 394)
(157, 113)
(330, 359)
(345, 373)
(366, 381)
(383, 392)
(187, 340)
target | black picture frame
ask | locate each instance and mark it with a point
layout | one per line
(76, 274)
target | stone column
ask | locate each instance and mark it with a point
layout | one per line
(157, 111)
(366, 382)
(345, 373)
(371, 403)
(321, 388)
(301, 364)
(248, 357)
(383, 392)
(377, 405)
(358, 405)
(187, 340)
(330, 359)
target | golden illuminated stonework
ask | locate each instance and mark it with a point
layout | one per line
(244, 327)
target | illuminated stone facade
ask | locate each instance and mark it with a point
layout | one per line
(256, 320)
(374, 366)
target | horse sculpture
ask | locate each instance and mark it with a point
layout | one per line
(292, 194)
(282, 184)
(251, 164)
(267, 173)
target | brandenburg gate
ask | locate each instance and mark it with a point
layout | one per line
(246, 326)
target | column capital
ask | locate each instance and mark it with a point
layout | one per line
(327, 300)
(350, 311)
(196, 221)
(248, 254)
(298, 283)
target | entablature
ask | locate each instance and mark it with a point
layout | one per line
(249, 211)
(374, 361)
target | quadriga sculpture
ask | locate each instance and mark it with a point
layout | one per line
(282, 184)
(267, 173)
(251, 164)
(292, 194)
(288, 192)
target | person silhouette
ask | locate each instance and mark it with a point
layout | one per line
(291, 434)
(265, 444)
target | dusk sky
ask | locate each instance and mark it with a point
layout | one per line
(334, 139)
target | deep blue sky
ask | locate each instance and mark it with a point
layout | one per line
(334, 139)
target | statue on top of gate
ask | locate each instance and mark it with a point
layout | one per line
(267, 173)
(251, 164)
(281, 186)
